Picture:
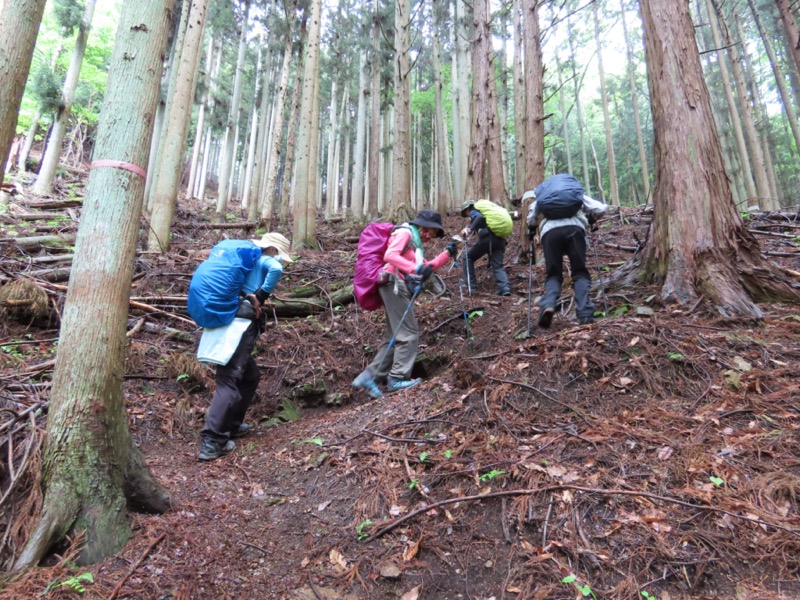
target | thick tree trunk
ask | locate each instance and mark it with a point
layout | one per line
(92, 473)
(697, 246)
(534, 96)
(792, 31)
(374, 154)
(19, 26)
(519, 100)
(441, 165)
(587, 182)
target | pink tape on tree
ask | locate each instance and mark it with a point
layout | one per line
(118, 164)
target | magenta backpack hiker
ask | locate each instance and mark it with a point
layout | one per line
(369, 263)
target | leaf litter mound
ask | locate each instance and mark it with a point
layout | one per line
(652, 454)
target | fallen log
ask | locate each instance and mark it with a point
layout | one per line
(29, 244)
(51, 204)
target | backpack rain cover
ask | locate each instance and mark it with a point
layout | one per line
(559, 196)
(369, 263)
(497, 218)
(214, 289)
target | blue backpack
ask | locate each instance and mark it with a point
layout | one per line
(215, 286)
(559, 196)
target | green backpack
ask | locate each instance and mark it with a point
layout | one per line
(497, 218)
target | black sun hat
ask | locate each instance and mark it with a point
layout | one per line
(431, 219)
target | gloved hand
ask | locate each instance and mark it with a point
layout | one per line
(531, 232)
(261, 296)
(413, 282)
(452, 249)
(424, 271)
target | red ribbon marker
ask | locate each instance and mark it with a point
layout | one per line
(118, 164)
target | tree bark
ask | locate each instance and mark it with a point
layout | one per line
(401, 148)
(612, 166)
(92, 473)
(357, 197)
(19, 26)
(792, 31)
(176, 126)
(374, 154)
(534, 96)
(697, 245)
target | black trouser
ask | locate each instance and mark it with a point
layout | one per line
(236, 387)
(556, 243)
(495, 247)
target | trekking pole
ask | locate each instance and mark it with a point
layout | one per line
(530, 282)
(416, 293)
(597, 269)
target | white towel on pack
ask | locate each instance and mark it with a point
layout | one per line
(218, 344)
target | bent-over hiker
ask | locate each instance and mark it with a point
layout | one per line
(488, 243)
(404, 272)
(562, 212)
(230, 347)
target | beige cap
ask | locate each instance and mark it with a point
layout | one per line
(277, 241)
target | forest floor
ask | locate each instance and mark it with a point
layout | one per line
(653, 454)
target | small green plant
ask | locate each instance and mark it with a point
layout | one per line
(182, 377)
(448, 453)
(414, 484)
(423, 457)
(474, 314)
(676, 357)
(74, 583)
(585, 590)
(647, 595)
(316, 441)
(717, 481)
(362, 535)
(491, 475)
(620, 310)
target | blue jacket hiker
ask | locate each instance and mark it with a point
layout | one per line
(230, 347)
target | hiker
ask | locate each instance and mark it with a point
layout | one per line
(562, 212)
(489, 242)
(237, 378)
(404, 272)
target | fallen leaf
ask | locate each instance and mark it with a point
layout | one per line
(664, 453)
(411, 551)
(338, 560)
(513, 590)
(633, 342)
(412, 594)
(324, 505)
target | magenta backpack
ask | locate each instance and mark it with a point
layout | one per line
(369, 263)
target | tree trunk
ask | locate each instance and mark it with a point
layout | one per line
(401, 148)
(697, 245)
(291, 135)
(201, 120)
(173, 140)
(587, 182)
(792, 31)
(47, 168)
(637, 121)
(306, 167)
(612, 166)
(226, 166)
(461, 78)
(92, 472)
(374, 154)
(19, 26)
(519, 101)
(357, 197)
(332, 114)
(441, 165)
(534, 94)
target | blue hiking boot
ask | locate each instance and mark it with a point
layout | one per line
(365, 381)
(209, 449)
(395, 385)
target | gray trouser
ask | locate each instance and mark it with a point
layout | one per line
(495, 247)
(236, 384)
(556, 243)
(398, 361)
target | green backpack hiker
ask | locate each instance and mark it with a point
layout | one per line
(497, 218)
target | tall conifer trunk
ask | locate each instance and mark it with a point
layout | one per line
(92, 472)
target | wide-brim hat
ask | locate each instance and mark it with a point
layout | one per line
(466, 206)
(430, 219)
(277, 241)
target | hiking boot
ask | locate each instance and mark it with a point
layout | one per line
(504, 292)
(209, 450)
(395, 385)
(365, 381)
(586, 320)
(546, 316)
(242, 430)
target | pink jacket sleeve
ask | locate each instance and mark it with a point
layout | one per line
(438, 262)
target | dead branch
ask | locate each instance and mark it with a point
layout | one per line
(136, 565)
